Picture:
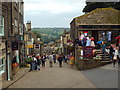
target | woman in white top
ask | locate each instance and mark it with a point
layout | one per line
(116, 56)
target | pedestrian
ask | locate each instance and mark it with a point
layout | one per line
(71, 61)
(103, 49)
(60, 59)
(51, 60)
(44, 57)
(43, 61)
(38, 61)
(65, 58)
(34, 63)
(116, 56)
(111, 53)
(54, 58)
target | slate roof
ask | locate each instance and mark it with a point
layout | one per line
(99, 16)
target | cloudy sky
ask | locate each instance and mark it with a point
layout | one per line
(52, 13)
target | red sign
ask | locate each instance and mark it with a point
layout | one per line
(88, 52)
(85, 31)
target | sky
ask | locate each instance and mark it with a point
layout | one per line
(52, 13)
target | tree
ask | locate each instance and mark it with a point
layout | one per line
(38, 35)
(94, 5)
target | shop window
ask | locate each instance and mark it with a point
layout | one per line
(1, 26)
(2, 65)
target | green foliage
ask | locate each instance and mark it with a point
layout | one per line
(49, 34)
(94, 5)
(28, 60)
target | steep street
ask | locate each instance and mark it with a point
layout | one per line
(86, 33)
(67, 77)
(56, 77)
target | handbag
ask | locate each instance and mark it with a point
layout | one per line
(15, 64)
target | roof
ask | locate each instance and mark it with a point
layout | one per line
(99, 16)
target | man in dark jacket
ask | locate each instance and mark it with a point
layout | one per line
(111, 52)
(60, 59)
(54, 58)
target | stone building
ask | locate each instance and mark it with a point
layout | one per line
(97, 23)
(11, 36)
(33, 43)
(5, 40)
(17, 29)
(66, 43)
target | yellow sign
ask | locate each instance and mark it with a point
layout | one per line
(29, 46)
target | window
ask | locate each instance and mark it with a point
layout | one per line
(36, 46)
(1, 26)
(2, 65)
(2, 58)
(16, 26)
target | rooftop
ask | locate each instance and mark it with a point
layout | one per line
(106, 16)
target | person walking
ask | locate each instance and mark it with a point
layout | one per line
(38, 61)
(34, 63)
(65, 58)
(103, 49)
(111, 52)
(54, 58)
(60, 59)
(51, 60)
(116, 56)
(43, 61)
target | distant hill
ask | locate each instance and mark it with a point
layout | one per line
(49, 34)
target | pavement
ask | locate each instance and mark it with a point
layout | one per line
(21, 72)
(103, 77)
(55, 77)
(65, 77)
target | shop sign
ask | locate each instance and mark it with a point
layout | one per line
(88, 52)
(29, 45)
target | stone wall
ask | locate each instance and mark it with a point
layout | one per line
(88, 64)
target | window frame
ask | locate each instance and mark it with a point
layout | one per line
(2, 25)
(2, 65)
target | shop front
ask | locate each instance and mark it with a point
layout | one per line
(15, 58)
(88, 44)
